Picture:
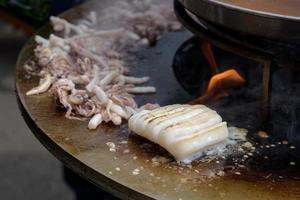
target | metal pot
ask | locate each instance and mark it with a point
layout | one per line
(246, 21)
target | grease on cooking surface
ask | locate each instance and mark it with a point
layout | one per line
(157, 175)
(229, 162)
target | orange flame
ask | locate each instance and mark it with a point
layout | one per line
(218, 85)
(208, 53)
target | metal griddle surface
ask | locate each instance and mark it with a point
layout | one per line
(86, 152)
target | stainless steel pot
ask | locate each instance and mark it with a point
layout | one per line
(246, 21)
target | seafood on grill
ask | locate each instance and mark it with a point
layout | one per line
(185, 131)
(84, 68)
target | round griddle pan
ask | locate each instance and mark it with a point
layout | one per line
(86, 152)
(247, 21)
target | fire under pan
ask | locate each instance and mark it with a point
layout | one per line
(180, 71)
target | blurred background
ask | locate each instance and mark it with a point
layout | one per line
(28, 170)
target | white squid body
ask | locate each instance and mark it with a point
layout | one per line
(186, 131)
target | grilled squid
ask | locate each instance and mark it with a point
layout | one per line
(186, 131)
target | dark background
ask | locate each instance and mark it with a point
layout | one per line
(28, 170)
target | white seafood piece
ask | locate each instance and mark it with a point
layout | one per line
(93, 17)
(42, 41)
(136, 80)
(95, 79)
(108, 78)
(191, 148)
(116, 119)
(95, 121)
(186, 131)
(42, 87)
(141, 119)
(141, 90)
(102, 97)
(155, 127)
(189, 126)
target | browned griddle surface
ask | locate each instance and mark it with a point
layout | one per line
(86, 152)
(284, 7)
